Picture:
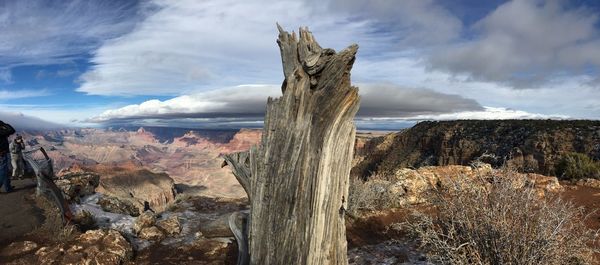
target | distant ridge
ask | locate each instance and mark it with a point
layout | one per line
(527, 145)
(168, 134)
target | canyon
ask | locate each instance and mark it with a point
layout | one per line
(191, 158)
(109, 174)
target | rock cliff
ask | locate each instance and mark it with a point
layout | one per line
(533, 146)
(140, 187)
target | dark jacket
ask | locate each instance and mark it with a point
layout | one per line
(5, 131)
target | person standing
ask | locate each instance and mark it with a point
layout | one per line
(16, 154)
(5, 131)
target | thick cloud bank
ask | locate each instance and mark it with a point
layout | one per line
(249, 102)
(23, 122)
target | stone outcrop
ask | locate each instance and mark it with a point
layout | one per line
(170, 225)
(217, 228)
(413, 186)
(533, 146)
(588, 182)
(141, 187)
(147, 227)
(145, 220)
(117, 205)
(18, 248)
(152, 233)
(84, 220)
(76, 185)
(94, 247)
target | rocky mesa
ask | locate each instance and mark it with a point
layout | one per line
(532, 146)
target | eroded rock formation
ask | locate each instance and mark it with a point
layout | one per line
(140, 187)
(414, 186)
(76, 185)
(533, 146)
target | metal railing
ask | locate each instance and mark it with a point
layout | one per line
(44, 173)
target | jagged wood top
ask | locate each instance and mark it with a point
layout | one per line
(297, 177)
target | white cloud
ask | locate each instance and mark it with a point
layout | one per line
(6, 76)
(527, 43)
(51, 32)
(24, 93)
(489, 113)
(408, 22)
(192, 45)
(240, 100)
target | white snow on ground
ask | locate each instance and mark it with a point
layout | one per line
(189, 219)
(121, 222)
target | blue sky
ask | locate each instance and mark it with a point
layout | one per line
(213, 63)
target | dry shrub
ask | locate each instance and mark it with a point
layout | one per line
(501, 224)
(574, 166)
(53, 228)
(374, 194)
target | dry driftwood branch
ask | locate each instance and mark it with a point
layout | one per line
(297, 178)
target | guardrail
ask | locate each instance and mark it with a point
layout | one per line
(44, 173)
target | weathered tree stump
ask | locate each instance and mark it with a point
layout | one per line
(297, 177)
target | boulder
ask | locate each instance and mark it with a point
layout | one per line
(94, 247)
(592, 183)
(146, 219)
(117, 205)
(18, 248)
(152, 233)
(212, 247)
(84, 220)
(216, 228)
(171, 225)
(78, 184)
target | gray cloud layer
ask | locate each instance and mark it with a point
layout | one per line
(526, 43)
(249, 102)
(394, 101)
(24, 122)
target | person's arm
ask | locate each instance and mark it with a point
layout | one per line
(5, 129)
(12, 147)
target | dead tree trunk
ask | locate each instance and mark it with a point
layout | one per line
(297, 178)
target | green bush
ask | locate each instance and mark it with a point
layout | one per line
(575, 166)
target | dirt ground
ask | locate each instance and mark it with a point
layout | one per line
(19, 213)
(589, 199)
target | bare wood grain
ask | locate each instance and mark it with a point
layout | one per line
(297, 177)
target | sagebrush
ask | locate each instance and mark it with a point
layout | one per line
(500, 224)
(374, 194)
